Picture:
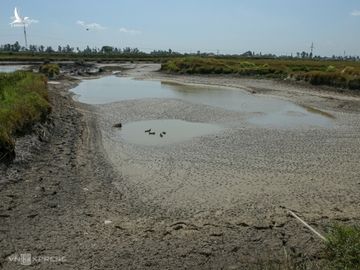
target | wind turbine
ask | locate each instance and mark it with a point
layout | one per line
(312, 48)
(19, 21)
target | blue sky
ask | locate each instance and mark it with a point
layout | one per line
(230, 26)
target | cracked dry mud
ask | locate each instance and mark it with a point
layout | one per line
(215, 202)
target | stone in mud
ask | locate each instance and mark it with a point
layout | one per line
(118, 125)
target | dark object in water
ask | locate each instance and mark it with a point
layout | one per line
(148, 130)
(119, 125)
(152, 133)
(164, 133)
(161, 135)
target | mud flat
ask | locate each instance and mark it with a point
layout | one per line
(213, 201)
(236, 167)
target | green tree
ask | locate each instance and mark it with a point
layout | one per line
(107, 49)
(49, 49)
(16, 47)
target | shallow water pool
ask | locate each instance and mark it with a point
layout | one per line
(267, 111)
(11, 68)
(162, 132)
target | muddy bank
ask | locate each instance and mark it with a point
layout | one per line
(76, 198)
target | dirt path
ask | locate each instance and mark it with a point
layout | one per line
(60, 201)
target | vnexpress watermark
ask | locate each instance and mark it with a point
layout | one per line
(28, 259)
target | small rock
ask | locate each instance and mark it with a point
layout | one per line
(119, 125)
(217, 234)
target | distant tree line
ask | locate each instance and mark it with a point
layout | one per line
(67, 49)
(111, 50)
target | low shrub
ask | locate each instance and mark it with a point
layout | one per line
(330, 69)
(330, 79)
(50, 70)
(336, 74)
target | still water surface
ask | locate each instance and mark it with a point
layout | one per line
(271, 112)
(165, 131)
(11, 68)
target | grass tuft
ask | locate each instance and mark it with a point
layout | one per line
(23, 102)
(343, 248)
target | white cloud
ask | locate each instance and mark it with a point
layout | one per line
(355, 13)
(129, 31)
(91, 26)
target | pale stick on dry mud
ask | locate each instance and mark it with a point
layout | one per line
(307, 225)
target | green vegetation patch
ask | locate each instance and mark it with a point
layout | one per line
(340, 74)
(50, 70)
(23, 102)
(343, 248)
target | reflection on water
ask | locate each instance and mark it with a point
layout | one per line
(8, 69)
(161, 132)
(111, 89)
(267, 111)
(313, 110)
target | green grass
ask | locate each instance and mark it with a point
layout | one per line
(50, 70)
(343, 248)
(340, 252)
(340, 74)
(23, 102)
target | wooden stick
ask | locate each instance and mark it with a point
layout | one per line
(308, 226)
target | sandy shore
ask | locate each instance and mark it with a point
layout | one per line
(213, 202)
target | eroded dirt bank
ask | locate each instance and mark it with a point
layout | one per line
(69, 199)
